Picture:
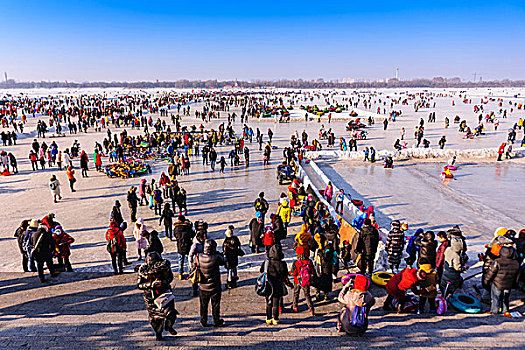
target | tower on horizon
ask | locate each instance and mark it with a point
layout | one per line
(397, 73)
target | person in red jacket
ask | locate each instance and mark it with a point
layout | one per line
(63, 242)
(501, 150)
(440, 255)
(116, 246)
(399, 284)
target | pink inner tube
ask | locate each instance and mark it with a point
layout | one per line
(452, 167)
(348, 277)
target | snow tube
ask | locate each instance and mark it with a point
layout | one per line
(381, 278)
(357, 202)
(447, 176)
(5, 173)
(411, 305)
(441, 306)
(452, 167)
(465, 303)
(349, 277)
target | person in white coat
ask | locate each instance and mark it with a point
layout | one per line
(54, 186)
(67, 159)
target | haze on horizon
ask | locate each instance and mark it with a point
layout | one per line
(171, 40)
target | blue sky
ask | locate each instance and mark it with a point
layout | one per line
(169, 40)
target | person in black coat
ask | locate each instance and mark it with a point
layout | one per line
(502, 277)
(154, 243)
(256, 232)
(184, 234)
(20, 234)
(210, 287)
(427, 249)
(167, 217)
(231, 248)
(116, 214)
(155, 279)
(367, 246)
(278, 276)
(43, 245)
(133, 202)
(278, 229)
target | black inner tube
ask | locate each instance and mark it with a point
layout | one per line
(465, 299)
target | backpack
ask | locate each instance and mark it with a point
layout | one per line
(259, 205)
(304, 275)
(53, 185)
(269, 238)
(263, 286)
(411, 246)
(26, 242)
(359, 317)
(112, 246)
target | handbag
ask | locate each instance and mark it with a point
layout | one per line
(196, 276)
(164, 299)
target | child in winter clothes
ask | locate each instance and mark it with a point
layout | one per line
(268, 238)
(399, 284)
(167, 217)
(285, 212)
(502, 277)
(352, 295)
(412, 248)
(157, 200)
(231, 248)
(428, 289)
(346, 253)
(440, 255)
(303, 242)
(427, 249)
(302, 271)
(394, 245)
(63, 243)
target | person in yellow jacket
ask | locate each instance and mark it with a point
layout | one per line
(285, 212)
(303, 242)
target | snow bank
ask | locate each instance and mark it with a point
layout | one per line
(416, 153)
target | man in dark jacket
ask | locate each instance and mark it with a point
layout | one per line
(155, 279)
(210, 287)
(43, 245)
(427, 249)
(133, 202)
(502, 276)
(367, 246)
(184, 234)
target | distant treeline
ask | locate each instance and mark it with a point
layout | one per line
(437, 82)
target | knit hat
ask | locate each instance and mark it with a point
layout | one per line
(427, 268)
(361, 283)
(421, 275)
